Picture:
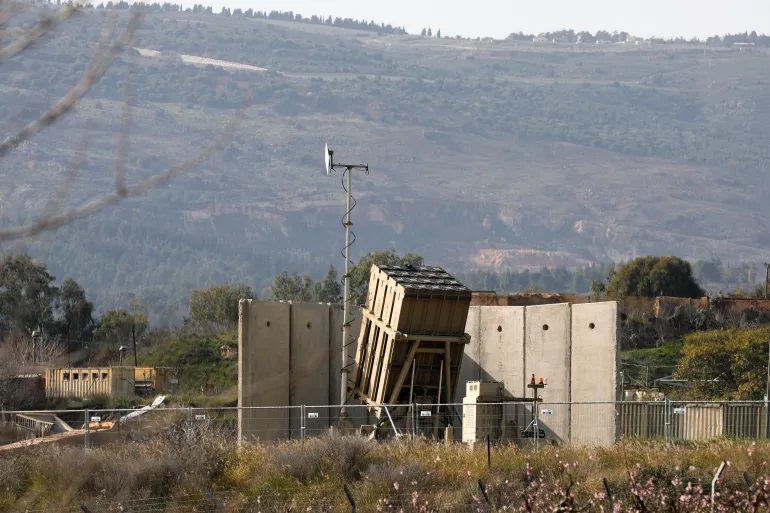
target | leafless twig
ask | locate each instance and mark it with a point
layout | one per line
(125, 130)
(29, 36)
(96, 70)
(108, 49)
(140, 187)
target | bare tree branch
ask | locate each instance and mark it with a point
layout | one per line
(99, 66)
(54, 215)
(125, 130)
(30, 36)
(76, 164)
(8, 10)
(143, 186)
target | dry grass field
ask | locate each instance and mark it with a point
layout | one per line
(194, 471)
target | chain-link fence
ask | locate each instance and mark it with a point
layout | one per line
(519, 422)
(473, 500)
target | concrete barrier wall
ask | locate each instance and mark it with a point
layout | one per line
(580, 363)
(289, 354)
(594, 365)
(309, 358)
(499, 357)
(547, 354)
(263, 368)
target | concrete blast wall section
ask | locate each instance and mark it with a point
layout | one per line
(573, 346)
(289, 355)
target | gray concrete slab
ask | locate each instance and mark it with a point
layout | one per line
(547, 355)
(594, 370)
(496, 349)
(309, 358)
(263, 369)
(470, 370)
(502, 354)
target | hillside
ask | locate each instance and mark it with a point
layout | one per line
(483, 153)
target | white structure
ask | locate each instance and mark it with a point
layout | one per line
(483, 412)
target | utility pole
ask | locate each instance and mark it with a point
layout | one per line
(346, 312)
(767, 277)
(767, 389)
(69, 349)
(133, 336)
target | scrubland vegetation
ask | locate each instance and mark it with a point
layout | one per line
(194, 471)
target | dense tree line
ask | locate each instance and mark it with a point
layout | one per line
(348, 23)
(567, 35)
(31, 301)
(586, 37)
(712, 277)
(559, 279)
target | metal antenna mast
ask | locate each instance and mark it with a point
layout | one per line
(346, 319)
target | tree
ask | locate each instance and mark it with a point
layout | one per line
(122, 326)
(597, 289)
(304, 289)
(424, 32)
(654, 276)
(430, 32)
(16, 353)
(75, 312)
(359, 273)
(217, 306)
(329, 290)
(27, 294)
(438, 34)
(726, 364)
(292, 287)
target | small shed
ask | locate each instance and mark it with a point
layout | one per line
(91, 381)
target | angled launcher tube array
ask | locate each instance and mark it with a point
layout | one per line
(412, 338)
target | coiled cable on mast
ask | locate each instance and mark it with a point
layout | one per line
(346, 366)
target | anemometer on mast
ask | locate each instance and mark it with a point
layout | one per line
(347, 317)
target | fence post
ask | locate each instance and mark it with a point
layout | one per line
(414, 421)
(392, 424)
(302, 425)
(714, 482)
(189, 433)
(88, 427)
(350, 499)
(239, 424)
(607, 489)
(483, 489)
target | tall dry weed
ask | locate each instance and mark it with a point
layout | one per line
(173, 468)
(331, 454)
